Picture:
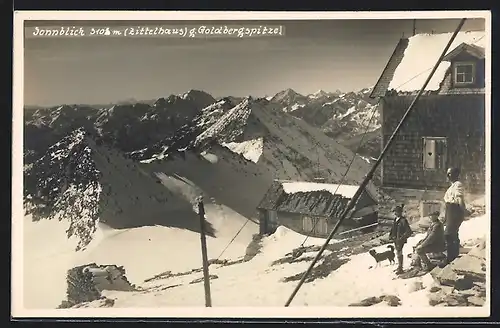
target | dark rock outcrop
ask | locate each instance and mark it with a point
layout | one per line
(463, 281)
(198, 280)
(102, 302)
(391, 300)
(253, 248)
(85, 283)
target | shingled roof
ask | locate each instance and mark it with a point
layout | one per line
(414, 57)
(472, 49)
(315, 199)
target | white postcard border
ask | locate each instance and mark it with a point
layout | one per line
(18, 309)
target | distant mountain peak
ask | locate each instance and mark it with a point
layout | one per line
(160, 102)
(288, 97)
(65, 106)
(202, 98)
(290, 91)
(173, 98)
(320, 92)
(194, 93)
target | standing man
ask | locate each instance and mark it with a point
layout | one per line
(400, 232)
(455, 212)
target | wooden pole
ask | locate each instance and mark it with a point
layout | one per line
(206, 276)
(368, 177)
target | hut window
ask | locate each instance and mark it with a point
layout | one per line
(464, 73)
(434, 153)
(273, 217)
(307, 224)
(322, 226)
(317, 226)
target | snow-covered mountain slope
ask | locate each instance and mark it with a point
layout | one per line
(127, 126)
(144, 251)
(360, 117)
(84, 183)
(290, 99)
(96, 199)
(182, 137)
(232, 155)
(134, 127)
(88, 203)
(46, 126)
(282, 145)
(251, 149)
(199, 98)
(322, 94)
(323, 109)
(368, 144)
(341, 116)
(144, 223)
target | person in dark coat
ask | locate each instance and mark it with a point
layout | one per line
(455, 212)
(400, 232)
(433, 242)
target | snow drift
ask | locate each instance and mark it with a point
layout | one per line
(259, 283)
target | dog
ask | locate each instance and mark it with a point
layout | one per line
(387, 255)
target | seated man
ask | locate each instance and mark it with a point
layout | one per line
(433, 242)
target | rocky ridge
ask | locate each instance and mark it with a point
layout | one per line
(463, 281)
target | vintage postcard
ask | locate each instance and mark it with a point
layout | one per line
(251, 164)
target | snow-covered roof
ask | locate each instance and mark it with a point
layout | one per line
(417, 56)
(311, 198)
(347, 191)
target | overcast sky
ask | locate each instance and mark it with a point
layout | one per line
(331, 54)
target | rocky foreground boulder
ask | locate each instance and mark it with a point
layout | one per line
(462, 282)
(102, 302)
(253, 248)
(86, 282)
(391, 300)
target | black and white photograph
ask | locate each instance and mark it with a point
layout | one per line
(296, 164)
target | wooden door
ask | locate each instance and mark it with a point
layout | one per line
(272, 220)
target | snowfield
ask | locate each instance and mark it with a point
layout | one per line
(257, 283)
(146, 252)
(250, 149)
